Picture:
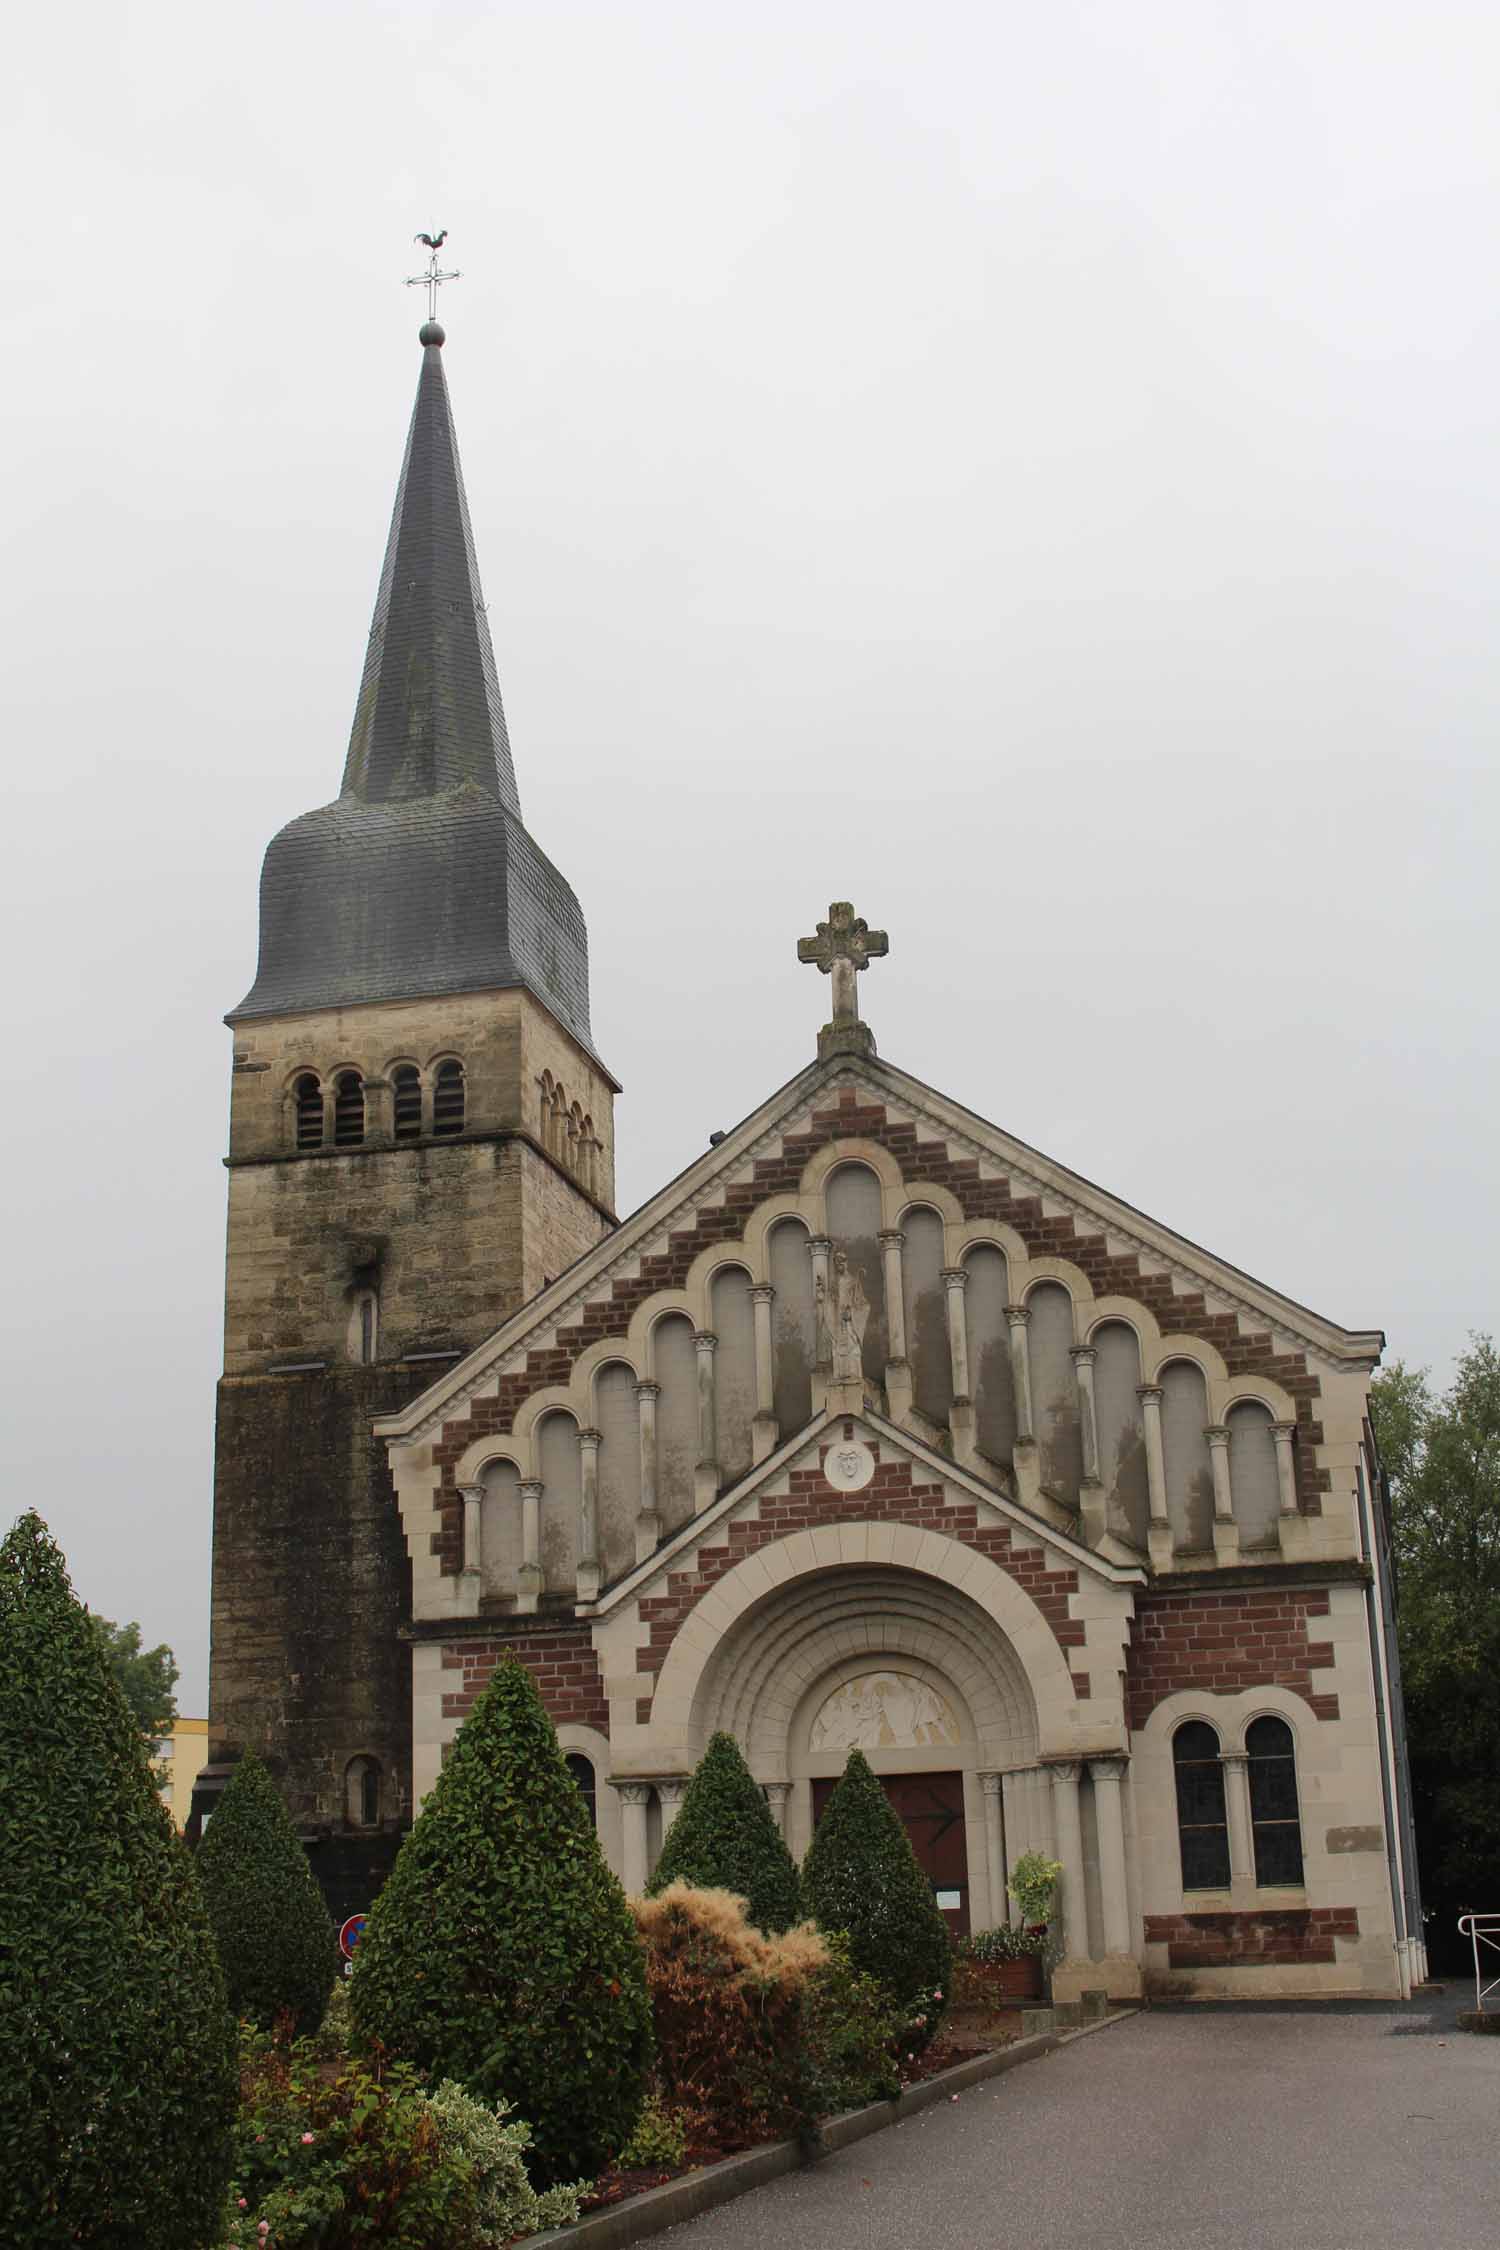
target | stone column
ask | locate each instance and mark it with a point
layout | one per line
(994, 1845)
(471, 1585)
(706, 1474)
(588, 1517)
(1017, 1821)
(1285, 1435)
(1088, 1427)
(1159, 1529)
(954, 1282)
(763, 1430)
(1226, 1530)
(1067, 1824)
(635, 1796)
(670, 1794)
(776, 1795)
(529, 1576)
(1020, 1368)
(648, 1522)
(1235, 1766)
(891, 1240)
(1107, 1775)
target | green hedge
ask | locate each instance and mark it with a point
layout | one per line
(501, 1952)
(117, 2059)
(861, 1877)
(725, 1839)
(273, 1931)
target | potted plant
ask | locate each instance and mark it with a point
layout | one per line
(1002, 1968)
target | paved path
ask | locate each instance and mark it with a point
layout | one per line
(1221, 2129)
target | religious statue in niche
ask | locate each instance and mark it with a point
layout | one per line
(843, 1317)
(885, 1711)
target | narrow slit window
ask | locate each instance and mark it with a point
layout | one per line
(582, 1770)
(348, 1110)
(362, 1793)
(1202, 1820)
(1274, 1817)
(406, 1082)
(448, 1099)
(308, 1097)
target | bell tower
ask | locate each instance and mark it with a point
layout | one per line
(421, 1133)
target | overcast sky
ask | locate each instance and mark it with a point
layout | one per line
(1028, 469)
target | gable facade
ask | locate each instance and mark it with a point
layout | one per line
(878, 1427)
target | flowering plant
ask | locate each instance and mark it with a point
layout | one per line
(1033, 1884)
(1010, 1942)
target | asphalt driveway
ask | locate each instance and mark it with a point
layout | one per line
(1211, 2129)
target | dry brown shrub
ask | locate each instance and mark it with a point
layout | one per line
(727, 2003)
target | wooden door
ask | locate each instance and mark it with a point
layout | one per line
(930, 1807)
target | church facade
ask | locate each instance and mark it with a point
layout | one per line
(876, 1427)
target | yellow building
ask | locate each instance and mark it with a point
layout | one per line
(179, 1757)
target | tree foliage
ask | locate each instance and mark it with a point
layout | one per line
(1441, 1455)
(501, 1952)
(117, 2070)
(270, 1924)
(725, 1839)
(147, 1677)
(861, 1878)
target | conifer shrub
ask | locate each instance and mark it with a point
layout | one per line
(728, 2004)
(501, 1952)
(117, 2055)
(274, 1933)
(861, 1878)
(724, 1838)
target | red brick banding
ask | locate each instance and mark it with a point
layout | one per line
(892, 1496)
(1222, 1643)
(560, 1658)
(1233, 1940)
(919, 1160)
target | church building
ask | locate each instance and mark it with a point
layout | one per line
(875, 1427)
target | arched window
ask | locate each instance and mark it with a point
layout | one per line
(308, 1097)
(1274, 1818)
(348, 1109)
(406, 1086)
(1202, 1822)
(582, 1770)
(448, 1099)
(362, 1793)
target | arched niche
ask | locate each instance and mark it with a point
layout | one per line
(500, 1527)
(1190, 1483)
(926, 1314)
(1054, 1389)
(732, 1317)
(1252, 1473)
(560, 1467)
(1121, 1428)
(617, 1416)
(986, 1295)
(853, 1205)
(793, 1337)
(676, 1367)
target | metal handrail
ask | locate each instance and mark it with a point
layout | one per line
(1482, 1929)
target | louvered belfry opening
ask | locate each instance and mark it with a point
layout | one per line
(348, 1110)
(308, 1095)
(406, 1083)
(448, 1100)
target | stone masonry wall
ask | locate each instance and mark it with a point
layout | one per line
(560, 1658)
(1296, 1935)
(1222, 1643)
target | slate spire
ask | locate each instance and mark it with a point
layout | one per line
(429, 715)
(420, 878)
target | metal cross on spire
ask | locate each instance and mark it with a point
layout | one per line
(432, 280)
(845, 944)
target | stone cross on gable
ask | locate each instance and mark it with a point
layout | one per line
(845, 944)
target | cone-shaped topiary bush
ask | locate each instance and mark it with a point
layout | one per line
(725, 1839)
(501, 1951)
(861, 1876)
(274, 1934)
(117, 2059)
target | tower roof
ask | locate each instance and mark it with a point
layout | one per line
(420, 878)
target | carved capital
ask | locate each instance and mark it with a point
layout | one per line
(648, 1390)
(1083, 1355)
(705, 1343)
(1107, 1769)
(762, 1293)
(633, 1792)
(776, 1792)
(1064, 1769)
(1148, 1390)
(672, 1790)
(990, 1783)
(532, 1488)
(1216, 1433)
(1018, 1315)
(472, 1491)
(589, 1440)
(820, 1244)
(1284, 1432)
(891, 1238)
(955, 1277)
